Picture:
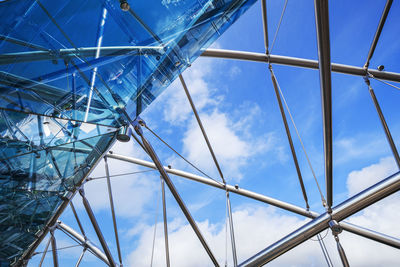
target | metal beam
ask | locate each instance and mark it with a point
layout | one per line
(110, 196)
(382, 238)
(96, 228)
(383, 122)
(165, 219)
(324, 56)
(289, 136)
(265, 25)
(347, 208)
(80, 258)
(83, 241)
(168, 181)
(378, 32)
(54, 248)
(297, 62)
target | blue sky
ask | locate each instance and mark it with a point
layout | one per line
(238, 107)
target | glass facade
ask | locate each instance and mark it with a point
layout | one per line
(71, 74)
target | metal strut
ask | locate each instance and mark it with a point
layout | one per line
(216, 164)
(336, 230)
(167, 260)
(383, 122)
(110, 195)
(378, 32)
(154, 157)
(324, 55)
(54, 248)
(96, 228)
(289, 136)
(347, 208)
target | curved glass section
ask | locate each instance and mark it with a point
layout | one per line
(73, 72)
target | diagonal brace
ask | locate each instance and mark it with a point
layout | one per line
(167, 179)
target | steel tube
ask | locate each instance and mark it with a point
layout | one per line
(44, 253)
(230, 188)
(110, 196)
(71, 204)
(289, 137)
(378, 32)
(80, 258)
(324, 56)
(367, 233)
(349, 207)
(384, 125)
(232, 232)
(54, 249)
(384, 239)
(342, 253)
(97, 228)
(203, 131)
(165, 223)
(265, 25)
(154, 157)
(297, 62)
(83, 241)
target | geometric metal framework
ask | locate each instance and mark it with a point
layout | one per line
(333, 218)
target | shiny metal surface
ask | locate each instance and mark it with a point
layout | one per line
(349, 207)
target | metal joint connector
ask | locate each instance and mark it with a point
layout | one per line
(335, 227)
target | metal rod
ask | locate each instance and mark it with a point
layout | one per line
(232, 232)
(265, 25)
(378, 32)
(289, 136)
(370, 234)
(80, 257)
(165, 223)
(44, 253)
(96, 228)
(100, 34)
(384, 124)
(342, 253)
(297, 62)
(77, 218)
(110, 195)
(154, 157)
(54, 248)
(384, 239)
(324, 55)
(83, 241)
(324, 251)
(347, 208)
(203, 131)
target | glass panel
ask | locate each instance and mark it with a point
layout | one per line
(68, 83)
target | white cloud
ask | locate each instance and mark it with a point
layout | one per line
(362, 146)
(364, 178)
(131, 193)
(232, 148)
(230, 130)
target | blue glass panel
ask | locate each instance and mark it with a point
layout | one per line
(71, 73)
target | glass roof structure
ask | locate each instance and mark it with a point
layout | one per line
(72, 73)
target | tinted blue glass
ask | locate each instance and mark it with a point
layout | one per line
(71, 73)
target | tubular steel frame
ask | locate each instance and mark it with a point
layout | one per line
(318, 223)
